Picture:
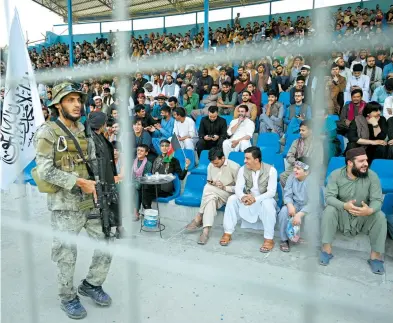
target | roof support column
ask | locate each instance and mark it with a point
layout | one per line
(232, 17)
(100, 29)
(70, 35)
(196, 21)
(270, 11)
(164, 29)
(132, 27)
(206, 26)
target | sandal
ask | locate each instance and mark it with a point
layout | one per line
(193, 226)
(324, 258)
(267, 246)
(284, 246)
(225, 239)
(203, 238)
(376, 266)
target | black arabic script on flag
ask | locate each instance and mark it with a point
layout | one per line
(18, 118)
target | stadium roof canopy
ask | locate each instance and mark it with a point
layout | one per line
(100, 10)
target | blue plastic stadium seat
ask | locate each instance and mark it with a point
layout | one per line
(285, 98)
(198, 122)
(279, 196)
(269, 140)
(289, 140)
(387, 208)
(202, 105)
(27, 178)
(203, 163)
(334, 163)
(264, 98)
(276, 160)
(193, 190)
(228, 119)
(334, 117)
(237, 157)
(342, 143)
(176, 193)
(189, 154)
(384, 170)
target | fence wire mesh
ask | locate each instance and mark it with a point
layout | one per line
(123, 67)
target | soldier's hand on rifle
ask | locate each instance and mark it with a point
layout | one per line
(87, 186)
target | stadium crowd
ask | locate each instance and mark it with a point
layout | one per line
(238, 106)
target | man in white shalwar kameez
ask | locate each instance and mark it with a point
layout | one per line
(253, 200)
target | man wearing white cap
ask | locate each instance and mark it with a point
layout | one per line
(344, 71)
(358, 80)
(97, 103)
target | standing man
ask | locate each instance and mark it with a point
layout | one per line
(212, 131)
(354, 200)
(256, 187)
(221, 178)
(70, 198)
(240, 131)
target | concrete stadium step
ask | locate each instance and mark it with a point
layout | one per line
(184, 214)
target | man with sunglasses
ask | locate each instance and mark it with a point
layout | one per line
(63, 174)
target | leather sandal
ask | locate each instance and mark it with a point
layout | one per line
(225, 239)
(203, 238)
(193, 226)
(267, 246)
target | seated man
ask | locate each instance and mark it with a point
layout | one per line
(184, 129)
(140, 168)
(252, 108)
(173, 103)
(163, 129)
(141, 98)
(146, 118)
(296, 113)
(240, 131)
(295, 200)
(221, 178)
(271, 119)
(227, 99)
(158, 106)
(163, 164)
(299, 85)
(350, 111)
(170, 88)
(382, 92)
(212, 131)
(369, 131)
(255, 96)
(301, 147)
(253, 200)
(210, 101)
(357, 81)
(354, 199)
(190, 100)
(140, 136)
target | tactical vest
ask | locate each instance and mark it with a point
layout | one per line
(263, 179)
(66, 159)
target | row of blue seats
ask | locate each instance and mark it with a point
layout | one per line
(382, 167)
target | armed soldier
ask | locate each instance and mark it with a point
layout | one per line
(65, 158)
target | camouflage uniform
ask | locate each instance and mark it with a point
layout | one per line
(66, 215)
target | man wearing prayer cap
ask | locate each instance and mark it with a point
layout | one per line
(353, 205)
(357, 80)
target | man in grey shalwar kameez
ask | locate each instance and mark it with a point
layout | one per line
(354, 200)
(295, 200)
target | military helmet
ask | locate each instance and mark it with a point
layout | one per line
(62, 89)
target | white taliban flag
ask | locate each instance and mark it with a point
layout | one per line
(22, 112)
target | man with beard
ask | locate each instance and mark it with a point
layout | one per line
(170, 88)
(373, 72)
(242, 84)
(62, 173)
(344, 71)
(357, 81)
(280, 82)
(354, 200)
(252, 108)
(205, 83)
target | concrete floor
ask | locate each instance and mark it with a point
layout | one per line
(178, 281)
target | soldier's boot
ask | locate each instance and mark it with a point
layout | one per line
(96, 293)
(74, 309)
